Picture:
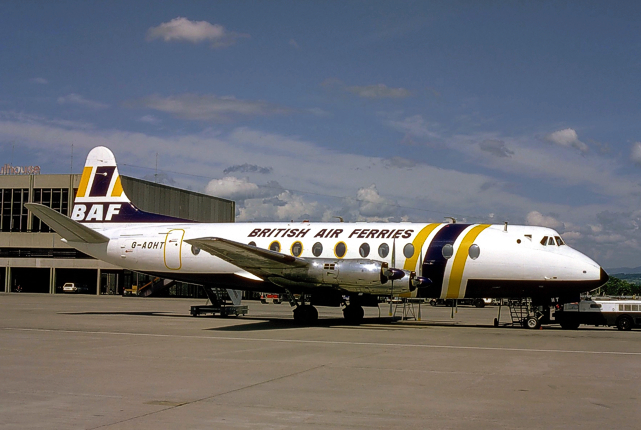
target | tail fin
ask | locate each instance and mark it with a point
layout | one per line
(101, 198)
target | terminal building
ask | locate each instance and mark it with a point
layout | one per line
(34, 259)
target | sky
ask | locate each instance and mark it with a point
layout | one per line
(484, 111)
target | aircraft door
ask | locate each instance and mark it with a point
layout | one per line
(173, 248)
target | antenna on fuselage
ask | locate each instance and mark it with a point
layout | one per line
(452, 219)
(505, 228)
(340, 218)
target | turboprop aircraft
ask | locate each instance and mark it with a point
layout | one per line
(322, 263)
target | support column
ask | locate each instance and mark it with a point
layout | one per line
(98, 282)
(52, 280)
(7, 280)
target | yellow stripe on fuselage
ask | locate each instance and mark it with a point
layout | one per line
(419, 240)
(84, 181)
(456, 275)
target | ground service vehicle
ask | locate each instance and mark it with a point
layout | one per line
(624, 314)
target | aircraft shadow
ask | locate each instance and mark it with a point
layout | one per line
(131, 313)
(263, 324)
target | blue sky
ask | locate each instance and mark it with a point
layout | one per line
(526, 112)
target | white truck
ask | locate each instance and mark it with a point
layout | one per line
(624, 314)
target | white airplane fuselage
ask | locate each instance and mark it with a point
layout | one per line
(511, 262)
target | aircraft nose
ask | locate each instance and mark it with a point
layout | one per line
(604, 277)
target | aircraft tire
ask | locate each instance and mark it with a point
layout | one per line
(532, 323)
(305, 314)
(354, 314)
(624, 323)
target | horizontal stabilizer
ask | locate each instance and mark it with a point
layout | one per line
(69, 229)
(257, 261)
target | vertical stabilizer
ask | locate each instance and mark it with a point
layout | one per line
(101, 198)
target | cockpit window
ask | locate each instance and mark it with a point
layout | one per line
(552, 240)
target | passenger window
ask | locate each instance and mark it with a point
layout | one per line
(297, 249)
(195, 250)
(475, 251)
(383, 250)
(544, 241)
(252, 243)
(595, 305)
(363, 251)
(408, 250)
(448, 251)
(551, 241)
(317, 249)
(628, 308)
(340, 249)
(635, 308)
(274, 246)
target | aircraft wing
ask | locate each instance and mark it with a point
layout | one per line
(260, 262)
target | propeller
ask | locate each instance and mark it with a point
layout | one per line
(394, 275)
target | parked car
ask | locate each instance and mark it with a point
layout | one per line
(72, 287)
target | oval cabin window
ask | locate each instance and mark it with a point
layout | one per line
(297, 249)
(383, 250)
(274, 246)
(475, 251)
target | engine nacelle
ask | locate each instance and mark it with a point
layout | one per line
(353, 275)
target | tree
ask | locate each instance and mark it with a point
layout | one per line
(619, 287)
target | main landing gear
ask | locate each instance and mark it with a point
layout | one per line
(306, 314)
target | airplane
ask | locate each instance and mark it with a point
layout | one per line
(321, 264)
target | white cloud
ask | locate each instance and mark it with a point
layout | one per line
(41, 81)
(149, 119)
(284, 207)
(568, 138)
(234, 188)
(182, 29)
(207, 107)
(379, 91)
(635, 153)
(373, 206)
(77, 99)
(536, 218)
(413, 126)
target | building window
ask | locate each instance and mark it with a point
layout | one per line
(14, 215)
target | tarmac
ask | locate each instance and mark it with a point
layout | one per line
(110, 362)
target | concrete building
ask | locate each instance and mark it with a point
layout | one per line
(34, 259)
